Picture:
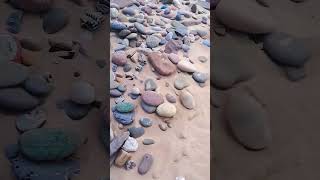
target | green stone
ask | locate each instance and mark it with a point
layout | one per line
(124, 107)
(49, 144)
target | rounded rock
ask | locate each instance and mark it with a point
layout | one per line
(82, 92)
(166, 110)
(55, 20)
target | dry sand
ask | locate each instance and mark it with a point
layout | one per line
(93, 159)
(184, 149)
(292, 106)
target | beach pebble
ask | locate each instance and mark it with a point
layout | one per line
(174, 58)
(186, 66)
(145, 164)
(166, 110)
(55, 20)
(124, 107)
(148, 108)
(117, 142)
(202, 59)
(172, 46)
(140, 27)
(152, 98)
(115, 93)
(119, 58)
(136, 132)
(122, 88)
(131, 145)
(122, 158)
(37, 85)
(82, 92)
(171, 98)
(181, 82)
(124, 118)
(49, 143)
(148, 141)
(286, 49)
(135, 91)
(200, 77)
(152, 41)
(127, 67)
(241, 18)
(150, 85)
(76, 111)
(187, 100)
(124, 33)
(145, 122)
(34, 119)
(12, 74)
(129, 11)
(17, 99)
(248, 121)
(117, 26)
(161, 64)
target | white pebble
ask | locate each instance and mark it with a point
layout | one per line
(131, 145)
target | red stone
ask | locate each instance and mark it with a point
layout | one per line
(152, 98)
(161, 64)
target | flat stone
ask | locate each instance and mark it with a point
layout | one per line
(181, 82)
(129, 11)
(117, 26)
(12, 74)
(145, 122)
(148, 141)
(148, 108)
(186, 66)
(171, 98)
(167, 110)
(140, 27)
(136, 132)
(150, 85)
(174, 58)
(248, 121)
(32, 120)
(187, 100)
(124, 33)
(145, 164)
(37, 85)
(124, 118)
(117, 142)
(286, 49)
(124, 107)
(82, 92)
(17, 99)
(200, 77)
(135, 91)
(172, 46)
(161, 64)
(152, 98)
(119, 58)
(49, 144)
(115, 93)
(131, 145)
(152, 41)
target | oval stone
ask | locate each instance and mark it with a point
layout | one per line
(148, 108)
(247, 16)
(248, 121)
(82, 92)
(145, 164)
(119, 58)
(37, 85)
(286, 49)
(186, 66)
(152, 98)
(55, 20)
(124, 107)
(12, 74)
(31, 120)
(187, 100)
(49, 144)
(17, 99)
(166, 110)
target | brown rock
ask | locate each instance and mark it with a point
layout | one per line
(161, 64)
(122, 158)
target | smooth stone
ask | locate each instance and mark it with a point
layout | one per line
(136, 132)
(124, 33)
(17, 99)
(181, 82)
(135, 91)
(145, 164)
(12, 74)
(181, 31)
(76, 111)
(119, 58)
(200, 77)
(124, 107)
(150, 85)
(148, 141)
(202, 59)
(202, 33)
(47, 144)
(127, 67)
(152, 98)
(124, 118)
(148, 108)
(117, 142)
(166, 110)
(122, 88)
(122, 3)
(152, 41)
(248, 121)
(32, 120)
(145, 122)
(37, 85)
(140, 27)
(239, 16)
(132, 36)
(172, 46)
(55, 20)
(163, 126)
(161, 63)
(117, 26)
(82, 92)
(174, 58)
(114, 13)
(187, 100)
(115, 93)
(131, 145)
(286, 49)
(186, 66)
(171, 98)
(129, 11)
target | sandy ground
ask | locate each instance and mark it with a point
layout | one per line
(184, 149)
(92, 155)
(292, 107)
